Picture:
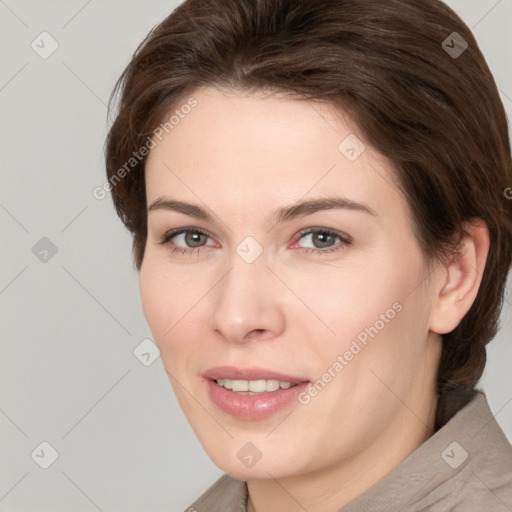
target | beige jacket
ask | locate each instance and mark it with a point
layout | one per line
(465, 467)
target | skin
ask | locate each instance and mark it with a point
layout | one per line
(243, 156)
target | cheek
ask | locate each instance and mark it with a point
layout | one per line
(360, 302)
(168, 300)
(161, 298)
(152, 296)
(343, 298)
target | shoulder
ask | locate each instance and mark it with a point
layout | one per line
(464, 467)
(484, 479)
(477, 493)
(224, 495)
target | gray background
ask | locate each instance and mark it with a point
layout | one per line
(70, 324)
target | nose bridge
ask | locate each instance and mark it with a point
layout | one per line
(245, 300)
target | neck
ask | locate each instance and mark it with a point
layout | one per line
(333, 487)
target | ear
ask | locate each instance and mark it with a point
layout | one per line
(460, 279)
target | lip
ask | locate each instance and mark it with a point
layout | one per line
(253, 373)
(252, 407)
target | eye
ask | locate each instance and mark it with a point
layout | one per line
(192, 239)
(322, 240)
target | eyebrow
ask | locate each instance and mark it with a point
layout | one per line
(283, 214)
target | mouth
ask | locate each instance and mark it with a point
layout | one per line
(252, 393)
(254, 387)
(251, 380)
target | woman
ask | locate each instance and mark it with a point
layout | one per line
(316, 192)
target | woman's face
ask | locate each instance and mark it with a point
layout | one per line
(329, 301)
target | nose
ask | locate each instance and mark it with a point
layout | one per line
(247, 303)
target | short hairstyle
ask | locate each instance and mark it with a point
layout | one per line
(435, 113)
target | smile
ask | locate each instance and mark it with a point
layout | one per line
(252, 387)
(252, 393)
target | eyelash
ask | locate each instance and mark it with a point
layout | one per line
(345, 240)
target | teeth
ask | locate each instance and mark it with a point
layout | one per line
(254, 386)
(257, 386)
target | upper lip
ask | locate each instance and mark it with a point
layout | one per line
(253, 373)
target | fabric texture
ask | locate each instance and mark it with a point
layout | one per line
(464, 467)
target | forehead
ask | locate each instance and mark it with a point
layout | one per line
(258, 147)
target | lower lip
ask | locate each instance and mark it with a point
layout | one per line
(253, 407)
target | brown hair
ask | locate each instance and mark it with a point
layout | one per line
(437, 116)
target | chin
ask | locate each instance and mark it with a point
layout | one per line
(244, 466)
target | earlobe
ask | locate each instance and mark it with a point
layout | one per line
(460, 279)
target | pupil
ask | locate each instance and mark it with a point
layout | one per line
(326, 238)
(193, 237)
